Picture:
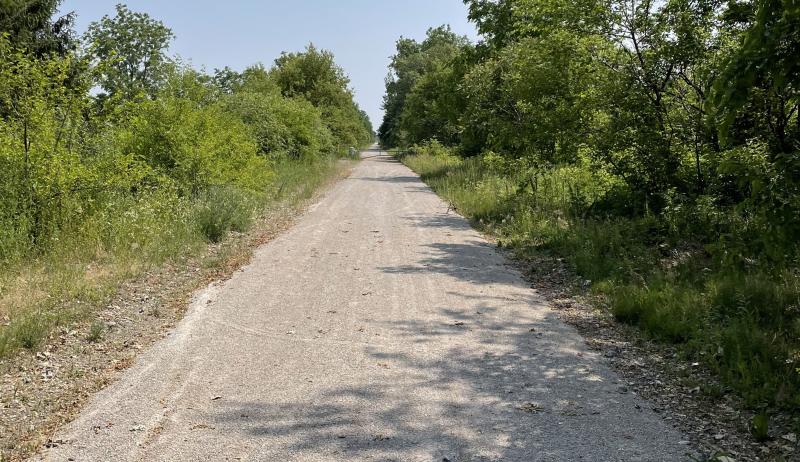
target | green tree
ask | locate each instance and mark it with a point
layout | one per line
(763, 75)
(30, 26)
(314, 75)
(131, 50)
(431, 100)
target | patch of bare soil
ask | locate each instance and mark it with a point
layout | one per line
(41, 391)
(714, 419)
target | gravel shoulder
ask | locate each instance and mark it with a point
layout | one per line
(380, 327)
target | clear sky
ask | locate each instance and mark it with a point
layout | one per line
(238, 33)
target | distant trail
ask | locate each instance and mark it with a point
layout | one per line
(379, 328)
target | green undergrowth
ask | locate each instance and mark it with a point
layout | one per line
(740, 319)
(128, 237)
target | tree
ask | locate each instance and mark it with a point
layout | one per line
(314, 76)
(412, 62)
(766, 66)
(30, 26)
(131, 48)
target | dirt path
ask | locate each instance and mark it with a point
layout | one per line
(381, 327)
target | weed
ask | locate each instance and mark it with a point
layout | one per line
(96, 331)
(223, 209)
(30, 331)
(759, 427)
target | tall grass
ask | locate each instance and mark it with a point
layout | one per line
(84, 265)
(743, 322)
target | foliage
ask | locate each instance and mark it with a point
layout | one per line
(314, 76)
(416, 101)
(193, 146)
(42, 176)
(132, 48)
(765, 62)
(29, 26)
(283, 127)
(96, 189)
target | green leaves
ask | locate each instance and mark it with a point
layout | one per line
(131, 46)
(29, 25)
(422, 99)
(314, 76)
(766, 59)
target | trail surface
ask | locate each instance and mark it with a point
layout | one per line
(380, 328)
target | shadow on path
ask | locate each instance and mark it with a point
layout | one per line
(490, 378)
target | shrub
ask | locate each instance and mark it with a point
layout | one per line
(223, 209)
(283, 127)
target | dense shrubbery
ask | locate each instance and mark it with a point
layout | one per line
(95, 188)
(653, 145)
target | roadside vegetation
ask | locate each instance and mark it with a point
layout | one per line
(651, 145)
(116, 158)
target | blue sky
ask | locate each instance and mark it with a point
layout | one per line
(361, 33)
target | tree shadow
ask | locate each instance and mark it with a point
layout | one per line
(467, 261)
(391, 179)
(489, 389)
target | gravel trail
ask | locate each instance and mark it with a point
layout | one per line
(380, 328)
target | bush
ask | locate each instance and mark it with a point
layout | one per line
(194, 147)
(283, 127)
(223, 209)
(431, 147)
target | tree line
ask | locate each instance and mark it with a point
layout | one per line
(653, 144)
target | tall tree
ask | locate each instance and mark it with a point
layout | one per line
(414, 60)
(132, 49)
(314, 75)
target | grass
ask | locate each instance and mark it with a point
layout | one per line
(95, 332)
(84, 266)
(744, 323)
(223, 209)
